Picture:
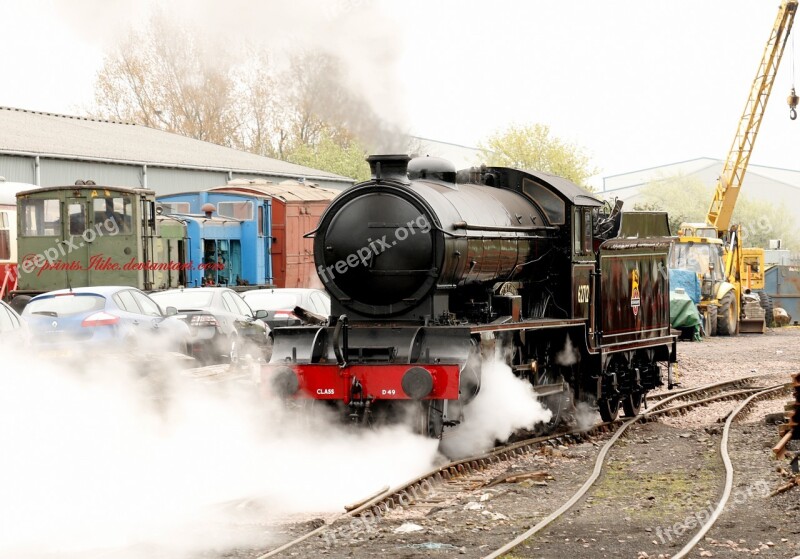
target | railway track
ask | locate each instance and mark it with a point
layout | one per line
(435, 486)
(750, 395)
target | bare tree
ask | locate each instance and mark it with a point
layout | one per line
(164, 79)
(168, 78)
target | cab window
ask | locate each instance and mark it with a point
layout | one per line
(41, 217)
(117, 211)
(581, 231)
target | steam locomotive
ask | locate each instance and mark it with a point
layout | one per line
(434, 272)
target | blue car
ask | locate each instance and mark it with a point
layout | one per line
(115, 318)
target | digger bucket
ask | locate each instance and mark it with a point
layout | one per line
(752, 326)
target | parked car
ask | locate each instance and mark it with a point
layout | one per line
(281, 302)
(223, 327)
(103, 318)
(13, 330)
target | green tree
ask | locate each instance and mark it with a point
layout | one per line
(340, 156)
(687, 199)
(684, 198)
(531, 146)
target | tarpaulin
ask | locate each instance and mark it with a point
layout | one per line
(686, 280)
(683, 314)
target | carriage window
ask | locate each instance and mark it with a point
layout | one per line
(236, 210)
(77, 218)
(5, 236)
(118, 210)
(41, 217)
(175, 207)
(262, 232)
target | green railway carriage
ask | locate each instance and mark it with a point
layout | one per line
(89, 235)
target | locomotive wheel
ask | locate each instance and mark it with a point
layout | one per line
(632, 403)
(609, 408)
(428, 418)
(728, 315)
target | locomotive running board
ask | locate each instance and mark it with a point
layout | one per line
(535, 324)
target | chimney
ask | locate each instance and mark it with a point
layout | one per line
(208, 209)
(389, 167)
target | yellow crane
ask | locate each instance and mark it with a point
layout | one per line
(730, 182)
(713, 249)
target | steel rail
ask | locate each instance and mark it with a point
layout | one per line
(600, 461)
(726, 459)
(380, 503)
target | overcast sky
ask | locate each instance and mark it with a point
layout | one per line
(636, 83)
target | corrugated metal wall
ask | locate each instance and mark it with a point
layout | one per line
(59, 172)
(171, 181)
(17, 169)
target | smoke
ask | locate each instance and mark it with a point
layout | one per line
(586, 416)
(356, 34)
(102, 458)
(569, 355)
(504, 404)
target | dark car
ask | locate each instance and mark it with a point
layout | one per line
(280, 304)
(223, 327)
(103, 318)
(13, 330)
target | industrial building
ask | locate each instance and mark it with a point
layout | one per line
(779, 186)
(48, 149)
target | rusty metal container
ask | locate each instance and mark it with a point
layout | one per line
(296, 209)
(782, 284)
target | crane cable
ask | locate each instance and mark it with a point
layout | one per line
(793, 99)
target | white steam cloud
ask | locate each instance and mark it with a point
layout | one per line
(569, 355)
(504, 404)
(106, 460)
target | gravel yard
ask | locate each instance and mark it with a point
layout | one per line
(659, 483)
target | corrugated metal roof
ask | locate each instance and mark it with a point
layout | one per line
(47, 134)
(288, 191)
